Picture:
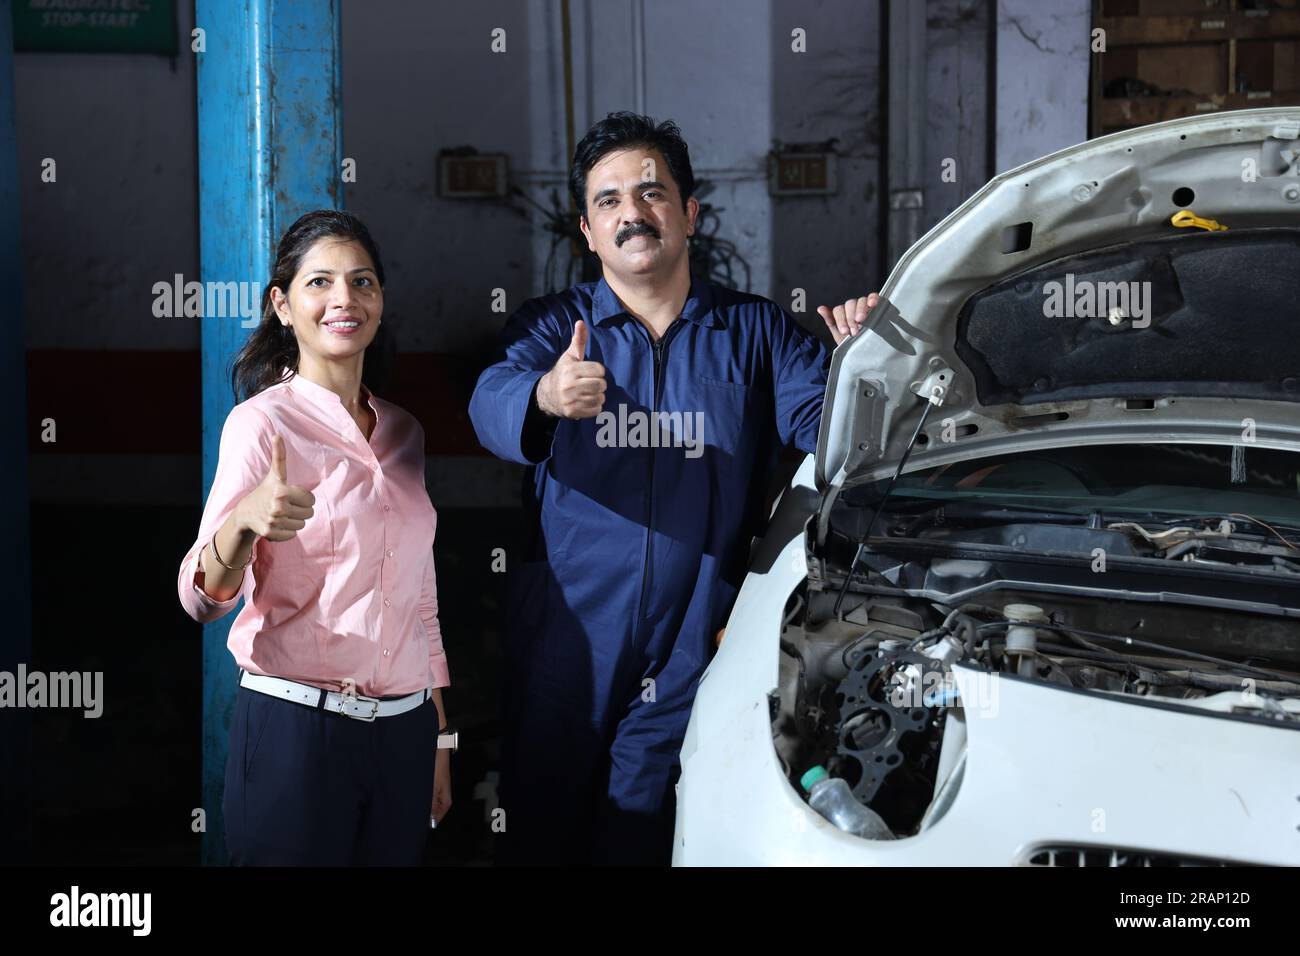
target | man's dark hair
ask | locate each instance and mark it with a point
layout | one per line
(626, 130)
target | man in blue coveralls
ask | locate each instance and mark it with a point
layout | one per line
(651, 406)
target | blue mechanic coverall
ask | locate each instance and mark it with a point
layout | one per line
(634, 552)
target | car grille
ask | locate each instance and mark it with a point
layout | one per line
(1089, 855)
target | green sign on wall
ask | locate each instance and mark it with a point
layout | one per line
(121, 26)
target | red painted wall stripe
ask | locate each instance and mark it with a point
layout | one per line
(150, 402)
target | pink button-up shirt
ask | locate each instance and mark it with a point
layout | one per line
(352, 598)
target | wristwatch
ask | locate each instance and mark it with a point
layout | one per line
(448, 739)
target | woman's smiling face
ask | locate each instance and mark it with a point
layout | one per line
(334, 302)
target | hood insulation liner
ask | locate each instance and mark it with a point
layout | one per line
(1221, 313)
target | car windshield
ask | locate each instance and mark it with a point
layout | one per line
(1162, 479)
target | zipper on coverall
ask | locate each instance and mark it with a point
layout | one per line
(658, 347)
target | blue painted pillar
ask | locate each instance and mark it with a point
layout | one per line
(270, 131)
(15, 556)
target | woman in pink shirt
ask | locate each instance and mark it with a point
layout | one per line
(319, 519)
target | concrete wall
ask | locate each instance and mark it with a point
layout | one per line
(417, 78)
(122, 213)
(828, 245)
(957, 104)
(420, 77)
(1042, 78)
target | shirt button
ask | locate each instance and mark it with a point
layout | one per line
(385, 652)
(387, 602)
(386, 508)
(390, 552)
(374, 465)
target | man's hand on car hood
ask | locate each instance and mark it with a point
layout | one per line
(846, 320)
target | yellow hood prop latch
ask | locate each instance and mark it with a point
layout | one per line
(1188, 218)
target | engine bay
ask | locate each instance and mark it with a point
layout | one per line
(868, 689)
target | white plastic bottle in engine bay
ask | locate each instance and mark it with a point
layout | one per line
(834, 800)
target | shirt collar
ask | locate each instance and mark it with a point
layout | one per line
(321, 396)
(698, 307)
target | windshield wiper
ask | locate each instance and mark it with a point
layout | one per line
(969, 512)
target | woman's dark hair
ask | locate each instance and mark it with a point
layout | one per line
(272, 347)
(624, 130)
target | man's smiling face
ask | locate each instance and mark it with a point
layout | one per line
(635, 221)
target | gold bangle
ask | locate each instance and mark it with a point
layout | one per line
(223, 563)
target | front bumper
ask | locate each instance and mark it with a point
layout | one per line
(1045, 766)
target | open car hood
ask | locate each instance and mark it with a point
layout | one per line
(1215, 359)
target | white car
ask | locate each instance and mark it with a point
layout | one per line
(1072, 636)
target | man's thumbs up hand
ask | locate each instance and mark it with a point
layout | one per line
(574, 388)
(577, 350)
(275, 509)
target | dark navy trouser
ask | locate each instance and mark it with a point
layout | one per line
(308, 787)
(576, 793)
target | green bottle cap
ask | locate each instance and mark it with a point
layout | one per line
(814, 775)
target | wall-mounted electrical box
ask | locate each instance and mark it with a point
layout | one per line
(472, 176)
(801, 174)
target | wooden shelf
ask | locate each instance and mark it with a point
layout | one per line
(1205, 28)
(1126, 112)
(1197, 58)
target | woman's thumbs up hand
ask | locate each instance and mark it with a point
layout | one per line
(275, 509)
(277, 460)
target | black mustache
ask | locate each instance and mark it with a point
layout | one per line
(636, 229)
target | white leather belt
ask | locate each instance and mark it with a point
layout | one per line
(350, 705)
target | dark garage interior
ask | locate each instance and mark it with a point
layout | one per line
(826, 139)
